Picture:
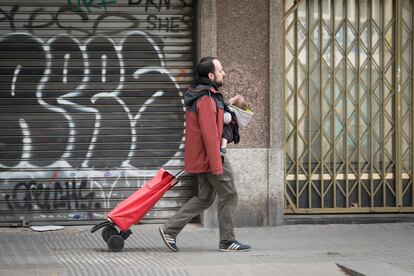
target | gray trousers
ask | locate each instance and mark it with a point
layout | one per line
(208, 186)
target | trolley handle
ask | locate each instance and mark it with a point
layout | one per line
(180, 173)
(177, 176)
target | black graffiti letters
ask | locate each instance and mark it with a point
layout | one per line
(31, 25)
(10, 16)
(59, 20)
(87, 90)
(42, 19)
(170, 24)
(152, 5)
(67, 19)
(158, 5)
(67, 104)
(91, 102)
(72, 195)
(20, 76)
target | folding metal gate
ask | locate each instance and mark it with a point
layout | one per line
(90, 105)
(349, 99)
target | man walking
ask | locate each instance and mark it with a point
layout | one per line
(203, 133)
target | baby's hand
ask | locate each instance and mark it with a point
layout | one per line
(233, 99)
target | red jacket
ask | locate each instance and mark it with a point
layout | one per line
(203, 130)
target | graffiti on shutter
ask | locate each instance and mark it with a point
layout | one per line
(91, 105)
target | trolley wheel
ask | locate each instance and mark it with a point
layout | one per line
(115, 243)
(108, 232)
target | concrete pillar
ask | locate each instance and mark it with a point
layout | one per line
(206, 45)
(276, 143)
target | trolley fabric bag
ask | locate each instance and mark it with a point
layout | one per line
(136, 206)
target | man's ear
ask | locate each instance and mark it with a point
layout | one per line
(211, 76)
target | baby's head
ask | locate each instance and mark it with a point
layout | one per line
(240, 102)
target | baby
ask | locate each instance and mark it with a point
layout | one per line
(236, 116)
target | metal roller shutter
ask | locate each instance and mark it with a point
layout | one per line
(90, 105)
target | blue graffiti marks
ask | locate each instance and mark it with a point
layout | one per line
(37, 196)
(88, 4)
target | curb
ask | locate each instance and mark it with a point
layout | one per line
(355, 268)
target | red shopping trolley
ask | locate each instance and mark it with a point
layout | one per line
(116, 229)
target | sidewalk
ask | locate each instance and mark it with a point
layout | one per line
(369, 249)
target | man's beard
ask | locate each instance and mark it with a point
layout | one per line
(219, 84)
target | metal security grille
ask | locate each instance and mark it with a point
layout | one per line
(90, 105)
(349, 106)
